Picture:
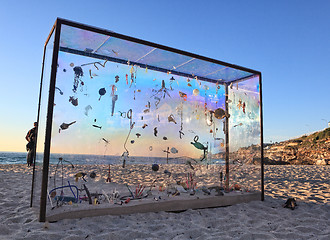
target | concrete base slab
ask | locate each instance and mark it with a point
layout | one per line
(178, 203)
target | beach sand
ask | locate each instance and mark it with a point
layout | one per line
(255, 220)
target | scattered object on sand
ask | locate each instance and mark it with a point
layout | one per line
(290, 203)
(80, 175)
(155, 167)
(109, 177)
(168, 173)
(92, 175)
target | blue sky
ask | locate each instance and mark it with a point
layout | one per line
(288, 41)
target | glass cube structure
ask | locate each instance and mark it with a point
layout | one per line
(125, 122)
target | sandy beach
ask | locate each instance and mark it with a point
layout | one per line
(255, 220)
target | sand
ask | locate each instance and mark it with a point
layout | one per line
(255, 220)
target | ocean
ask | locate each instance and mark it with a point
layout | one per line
(20, 158)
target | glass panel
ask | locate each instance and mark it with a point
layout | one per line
(244, 131)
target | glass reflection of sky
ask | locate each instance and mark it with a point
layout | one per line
(82, 137)
(244, 126)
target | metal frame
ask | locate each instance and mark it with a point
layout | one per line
(45, 169)
(56, 49)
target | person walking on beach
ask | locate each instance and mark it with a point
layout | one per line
(31, 146)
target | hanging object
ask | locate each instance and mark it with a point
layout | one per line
(114, 99)
(59, 90)
(102, 91)
(171, 118)
(183, 96)
(117, 78)
(220, 113)
(73, 100)
(87, 109)
(200, 146)
(78, 73)
(163, 90)
(64, 126)
(138, 135)
(196, 92)
(174, 150)
(155, 131)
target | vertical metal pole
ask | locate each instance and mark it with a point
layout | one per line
(38, 115)
(45, 169)
(261, 142)
(227, 138)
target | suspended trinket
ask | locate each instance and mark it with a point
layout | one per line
(117, 78)
(71, 64)
(132, 141)
(144, 126)
(239, 105)
(59, 90)
(87, 108)
(102, 91)
(64, 126)
(73, 100)
(150, 148)
(174, 150)
(155, 131)
(171, 118)
(243, 107)
(164, 138)
(196, 92)
(199, 146)
(183, 95)
(114, 99)
(220, 113)
(138, 135)
(189, 85)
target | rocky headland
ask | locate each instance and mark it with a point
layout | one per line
(313, 149)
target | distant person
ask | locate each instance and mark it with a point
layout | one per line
(31, 146)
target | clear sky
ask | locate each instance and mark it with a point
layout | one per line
(288, 41)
